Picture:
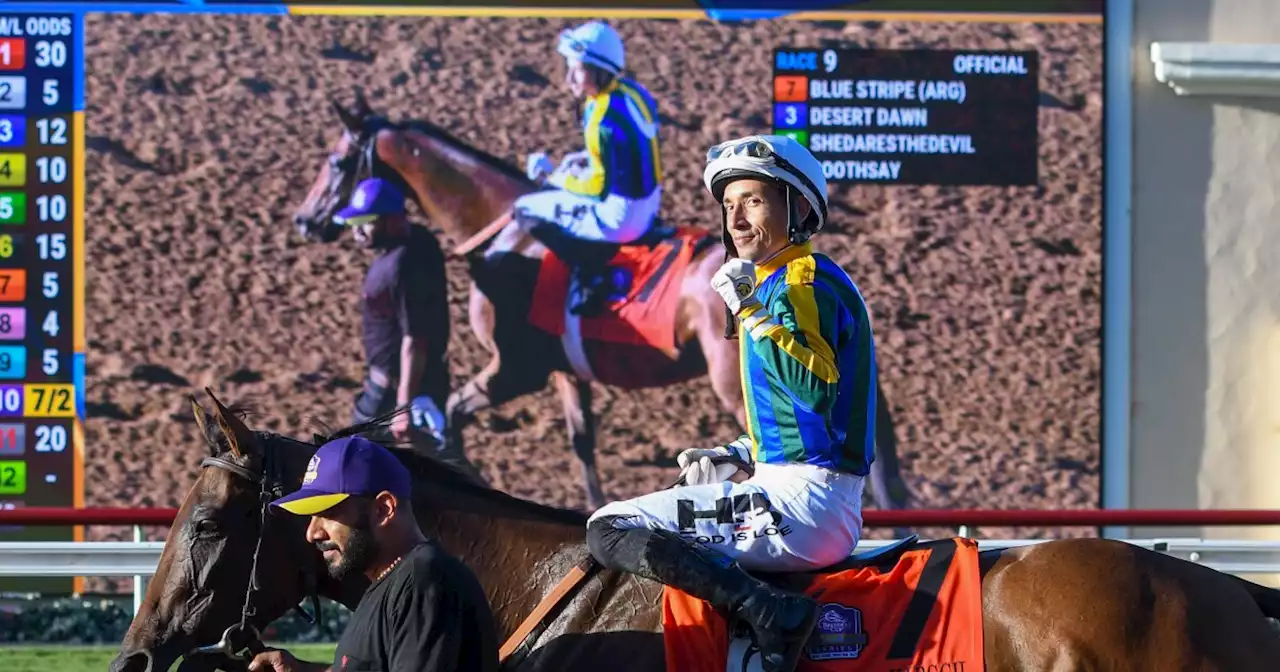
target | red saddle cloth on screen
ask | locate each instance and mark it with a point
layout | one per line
(645, 316)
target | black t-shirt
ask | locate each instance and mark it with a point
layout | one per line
(405, 292)
(428, 614)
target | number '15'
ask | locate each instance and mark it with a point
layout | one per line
(52, 245)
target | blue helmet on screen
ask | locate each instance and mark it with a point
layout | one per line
(596, 43)
(371, 198)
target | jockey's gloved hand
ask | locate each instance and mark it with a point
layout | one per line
(572, 164)
(735, 282)
(704, 466)
(574, 161)
(537, 166)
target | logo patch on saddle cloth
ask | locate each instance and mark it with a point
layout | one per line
(838, 634)
(923, 613)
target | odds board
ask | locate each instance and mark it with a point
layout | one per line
(41, 273)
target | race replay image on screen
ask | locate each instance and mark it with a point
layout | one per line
(155, 163)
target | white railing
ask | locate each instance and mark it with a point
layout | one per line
(139, 558)
(124, 558)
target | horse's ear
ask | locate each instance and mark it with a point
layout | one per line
(349, 120)
(239, 437)
(202, 421)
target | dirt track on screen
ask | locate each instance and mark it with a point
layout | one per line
(204, 133)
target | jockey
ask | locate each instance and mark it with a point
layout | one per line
(808, 372)
(610, 192)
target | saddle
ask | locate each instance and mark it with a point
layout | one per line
(881, 558)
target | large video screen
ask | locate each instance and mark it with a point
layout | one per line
(965, 167)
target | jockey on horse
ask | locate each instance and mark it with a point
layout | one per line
(808, 372)
(609, 193)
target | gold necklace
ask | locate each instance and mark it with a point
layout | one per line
(396, 562)
(389, 568)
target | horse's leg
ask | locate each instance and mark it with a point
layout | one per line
(473, 396)
(575, 394)
(1107, 605)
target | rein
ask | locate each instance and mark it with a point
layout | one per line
(520, 643)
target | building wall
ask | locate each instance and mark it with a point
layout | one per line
(1205, 429)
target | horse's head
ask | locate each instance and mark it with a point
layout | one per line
(461, 189)
(353, 158)
(230, 566)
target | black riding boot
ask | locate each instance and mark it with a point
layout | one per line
(588, 260)
(780, 621)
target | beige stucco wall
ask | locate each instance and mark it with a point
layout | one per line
(1206, 304)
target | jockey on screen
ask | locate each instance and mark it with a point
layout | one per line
(610, 192)
(808, 372)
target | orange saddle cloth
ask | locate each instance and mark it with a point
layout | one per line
(646, 315)
(923, 614)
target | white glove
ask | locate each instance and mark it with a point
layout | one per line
(537, 165)
(426, 417)
(571, 164)
(574, 161)
(705, 466)
(735, 282)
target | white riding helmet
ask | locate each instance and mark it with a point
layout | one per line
(595, 43)
(771, 156)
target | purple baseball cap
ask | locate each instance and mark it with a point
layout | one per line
(372, 197)
(345, 467)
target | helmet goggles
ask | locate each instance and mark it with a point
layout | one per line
(759, 150)
(575, 48)
(753, 147)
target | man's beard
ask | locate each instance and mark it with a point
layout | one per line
(361, 551)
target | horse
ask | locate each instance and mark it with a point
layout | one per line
(469, 194)
(230, 567)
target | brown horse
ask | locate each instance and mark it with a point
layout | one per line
(466, 191)
(1076, 604)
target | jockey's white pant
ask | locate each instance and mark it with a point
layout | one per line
(612, 220)
(792, 517)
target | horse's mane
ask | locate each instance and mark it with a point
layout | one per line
(432, 130)
(425, 466)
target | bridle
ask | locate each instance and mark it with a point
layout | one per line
(367, 162)
(245, 635)
(353, 167)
